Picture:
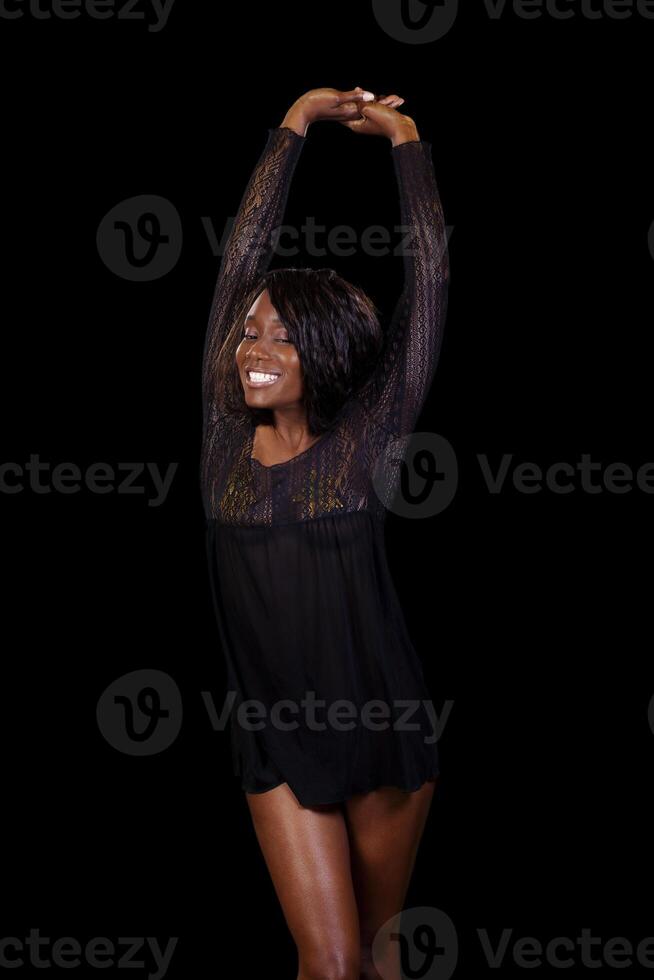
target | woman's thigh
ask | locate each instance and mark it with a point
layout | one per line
(307, 852)
(384, 827)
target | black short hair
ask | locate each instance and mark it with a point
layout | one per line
(336, 330)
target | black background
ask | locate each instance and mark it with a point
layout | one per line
(529, 610)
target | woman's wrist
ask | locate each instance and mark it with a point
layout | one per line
(296, 119)
(407, 132)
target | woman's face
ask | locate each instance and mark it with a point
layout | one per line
(267, 361)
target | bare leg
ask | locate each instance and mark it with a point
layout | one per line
(385, 827)
(307, 854)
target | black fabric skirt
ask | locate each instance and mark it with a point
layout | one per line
(328, 691)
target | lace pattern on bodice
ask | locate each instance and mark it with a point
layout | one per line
(348, 468)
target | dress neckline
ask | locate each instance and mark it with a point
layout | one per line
(284, 462)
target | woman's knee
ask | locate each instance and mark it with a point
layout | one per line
(325, 965)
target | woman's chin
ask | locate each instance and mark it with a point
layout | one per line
(258, 399)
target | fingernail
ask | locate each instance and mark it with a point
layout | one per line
(367, 97)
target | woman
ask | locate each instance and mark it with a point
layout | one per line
(304, 397)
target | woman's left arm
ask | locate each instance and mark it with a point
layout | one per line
(397, 391)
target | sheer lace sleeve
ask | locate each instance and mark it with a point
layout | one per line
(396, 392)
(249, 248)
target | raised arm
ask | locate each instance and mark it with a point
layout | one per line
(396, 392)
(250, 248)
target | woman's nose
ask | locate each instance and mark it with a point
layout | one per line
(258, 350)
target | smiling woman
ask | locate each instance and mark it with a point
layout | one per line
(304, 399)
(276, 377)
(317, 333)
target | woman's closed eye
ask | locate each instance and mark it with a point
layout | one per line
(282, 340)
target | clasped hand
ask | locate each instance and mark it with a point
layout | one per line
(359, 110)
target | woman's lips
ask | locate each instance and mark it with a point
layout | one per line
(261, 379)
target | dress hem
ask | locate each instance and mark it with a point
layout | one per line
(434, 774)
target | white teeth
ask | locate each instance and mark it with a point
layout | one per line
(258, 376)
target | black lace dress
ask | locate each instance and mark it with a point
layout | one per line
(308, 617)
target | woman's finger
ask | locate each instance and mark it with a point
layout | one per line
(357, 94)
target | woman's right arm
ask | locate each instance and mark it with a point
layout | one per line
(249, 247)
